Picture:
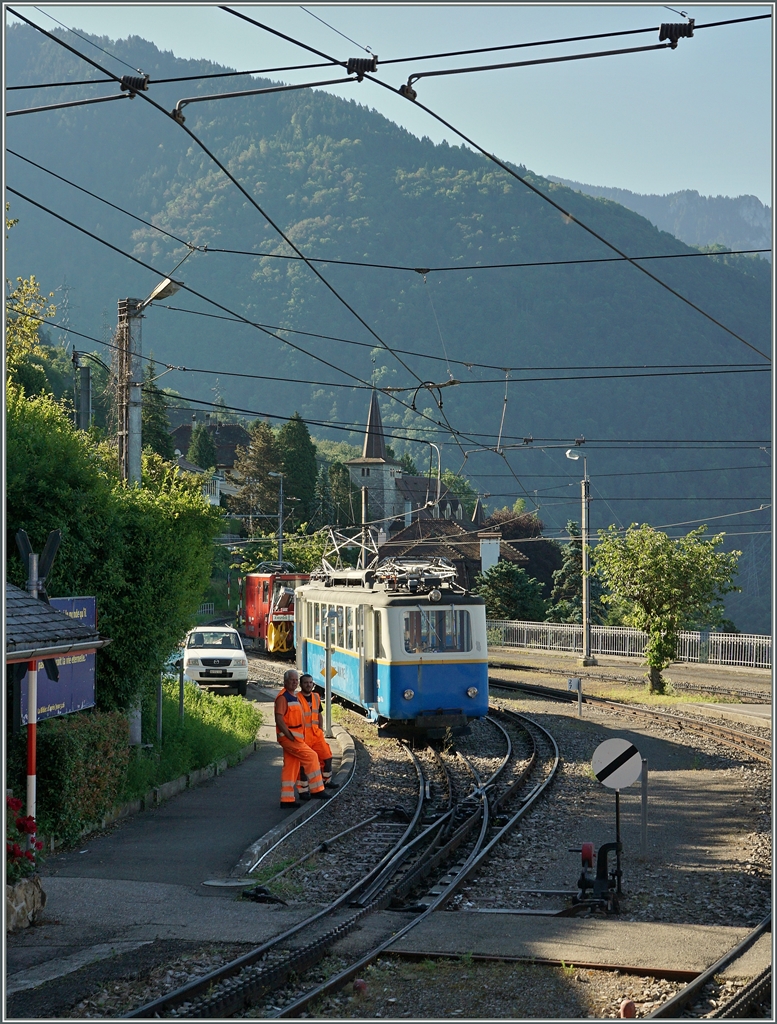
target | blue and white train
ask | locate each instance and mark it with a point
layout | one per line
(408, 643)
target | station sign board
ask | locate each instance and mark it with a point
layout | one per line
(74, 690)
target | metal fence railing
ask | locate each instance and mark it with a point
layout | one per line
(749, 650)
(209, 608)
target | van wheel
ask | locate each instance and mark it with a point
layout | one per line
(242, 687)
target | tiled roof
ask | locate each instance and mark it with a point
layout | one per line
(226, 436)
(31, 624)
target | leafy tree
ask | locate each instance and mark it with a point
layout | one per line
(144, 552)
(258, 492)
(566, 598)
(298, 457)
(335, 451)
(405, 460)
(510, 593)
(670, 584)
(156, 423)
(202, 447)
(26, 308)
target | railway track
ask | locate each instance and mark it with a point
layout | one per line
(467, 800)
(752, 696)
(697, 998)
(756, 746)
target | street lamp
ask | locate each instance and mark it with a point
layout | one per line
(280, 517)
(586, 500)
(130, 377)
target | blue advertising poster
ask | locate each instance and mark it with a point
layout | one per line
(74, 689)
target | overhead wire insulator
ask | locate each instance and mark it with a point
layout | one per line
(674, 31)
(359, 66)
(407, 91)
(131, 83)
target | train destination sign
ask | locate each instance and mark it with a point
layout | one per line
(617, 763)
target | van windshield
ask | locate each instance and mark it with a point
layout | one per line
(213, 638)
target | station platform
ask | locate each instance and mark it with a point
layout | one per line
(587, 942)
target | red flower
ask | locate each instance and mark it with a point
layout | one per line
(13, 804)
(38, 844)
(29, 855)
(17, 850)
(27, 825)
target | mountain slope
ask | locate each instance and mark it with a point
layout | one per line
(741, 222)
(347, 184)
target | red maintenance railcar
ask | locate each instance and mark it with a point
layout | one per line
(267, 606)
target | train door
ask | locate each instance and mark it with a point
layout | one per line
(365, 643)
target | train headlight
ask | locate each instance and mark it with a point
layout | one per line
(472, 691)
(408, 694)
(435, 595)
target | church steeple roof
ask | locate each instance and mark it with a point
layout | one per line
(374, 441)
(478, 516)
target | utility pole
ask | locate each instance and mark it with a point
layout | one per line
(280, 517)
(129, 379)
(84, 397)
(586, 501)
(364, 528)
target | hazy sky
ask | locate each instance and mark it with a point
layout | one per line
(697, 117)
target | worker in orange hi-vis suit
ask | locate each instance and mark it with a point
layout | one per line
(290, 731)
(314, 735)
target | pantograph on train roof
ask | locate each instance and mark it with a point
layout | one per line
(394, 574)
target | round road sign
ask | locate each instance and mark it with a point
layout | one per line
(617, 763)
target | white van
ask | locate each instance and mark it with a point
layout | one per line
(215, 654)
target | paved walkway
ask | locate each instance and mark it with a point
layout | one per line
(143, 878)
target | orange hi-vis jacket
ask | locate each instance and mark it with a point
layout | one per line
(296, 752)
(287, 705)
(314, 734)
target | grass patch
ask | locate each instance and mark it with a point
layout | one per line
(637, 694)
(213, 728)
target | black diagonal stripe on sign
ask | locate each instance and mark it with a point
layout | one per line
(621, 759)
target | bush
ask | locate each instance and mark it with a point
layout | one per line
(82, 766)
(213, 728)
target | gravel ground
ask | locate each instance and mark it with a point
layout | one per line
(727, 880)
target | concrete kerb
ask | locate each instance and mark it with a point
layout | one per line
(265, 843)
(166, 791)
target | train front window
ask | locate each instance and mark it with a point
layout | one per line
(437, 632)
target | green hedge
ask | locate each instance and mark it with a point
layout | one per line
(82, 764)
(86, 767)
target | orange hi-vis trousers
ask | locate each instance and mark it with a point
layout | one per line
(296, 753)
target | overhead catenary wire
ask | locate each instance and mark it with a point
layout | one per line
(383, 266)
(213, 302)
(394, 60)
(308, 353)
(469, 364)
(524, 181)
(187, 288)
(576, 220)
(87, 40)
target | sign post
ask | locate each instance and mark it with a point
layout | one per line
(329, 621)
(616, 764)
(576, 685)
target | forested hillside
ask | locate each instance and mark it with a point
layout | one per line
(346, 184)
(735, 222)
